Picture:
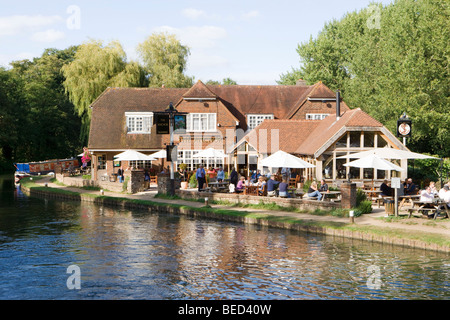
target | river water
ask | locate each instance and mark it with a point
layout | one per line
(123, 254)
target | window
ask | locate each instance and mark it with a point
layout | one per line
(253, 120)
(101, 159)
(139, 122)
(201, 122)
(141, 164)
(185, 156)
(316, 116)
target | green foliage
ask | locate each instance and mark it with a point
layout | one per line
(364, 207)
(360, 196)
(225, 82)
(165, 61)
(193, 181)
(36, 117)
(397, 64)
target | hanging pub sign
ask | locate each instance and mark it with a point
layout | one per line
(162, 123)
(179, 123)
(404, 127)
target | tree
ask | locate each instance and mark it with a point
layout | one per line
(94, 68)
(225, 82)
(165, 60)
(49, 126)
(12, 114)
(399, 65)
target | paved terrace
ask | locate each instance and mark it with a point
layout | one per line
(439, 226)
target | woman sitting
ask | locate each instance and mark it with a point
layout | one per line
(240, 185)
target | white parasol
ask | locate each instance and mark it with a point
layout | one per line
(131, 155)
(281, 159)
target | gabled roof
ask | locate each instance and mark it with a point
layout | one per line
(199, 91)
(307, 137)
(273, 135)
(108, 127)
(331, 127)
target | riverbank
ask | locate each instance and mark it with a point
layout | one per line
(413, 232)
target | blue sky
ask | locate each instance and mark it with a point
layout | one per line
(252, 42)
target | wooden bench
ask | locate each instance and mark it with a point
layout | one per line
(425, 212)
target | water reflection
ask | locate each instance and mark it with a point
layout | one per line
(126, 254)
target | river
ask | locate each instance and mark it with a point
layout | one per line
(69, 250)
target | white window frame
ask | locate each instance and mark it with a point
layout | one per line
(139, 122)
(316, 116)
(255, 119)
(207, 122)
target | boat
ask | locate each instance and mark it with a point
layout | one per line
(41, 167)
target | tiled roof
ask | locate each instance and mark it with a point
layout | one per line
(198, 91)
(273, 135)
(305, 137)
(108, 127)
(329, 127)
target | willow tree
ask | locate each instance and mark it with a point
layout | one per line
(95, 68)
(165, 60)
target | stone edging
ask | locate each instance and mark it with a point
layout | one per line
(194, 212)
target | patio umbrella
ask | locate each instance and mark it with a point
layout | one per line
(388, 153)
(160, 154)
(374, 162)
(210, 153)
(131, 155)
(281, 159)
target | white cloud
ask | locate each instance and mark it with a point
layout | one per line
(193, 14)
(14, 25)
(6, 59)
(250, 15)
(50, 35)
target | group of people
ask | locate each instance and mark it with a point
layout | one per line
(409, 188)
(200, 175)
(430, 193)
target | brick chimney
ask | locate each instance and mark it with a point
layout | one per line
(300, 82)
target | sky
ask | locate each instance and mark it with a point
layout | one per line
(251, 42)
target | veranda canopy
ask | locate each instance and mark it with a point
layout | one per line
(281, 159)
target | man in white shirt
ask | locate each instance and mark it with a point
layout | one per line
(426, 195)
(444, 194)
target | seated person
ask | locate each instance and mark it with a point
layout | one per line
(240, 185)
(323, 186)
(271, 183)
(427, 197)
(282, 189)
(261, 184)
(444, 195)
(313, 192)
(385, 189)
(410, 187)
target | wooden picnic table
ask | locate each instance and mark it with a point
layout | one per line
(335, 194)
(251, 190)
(408, 198)
(427, 208)
(218, 186)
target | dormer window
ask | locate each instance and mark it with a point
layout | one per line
(253, 120)
(139, 122)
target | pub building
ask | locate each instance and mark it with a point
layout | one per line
(246, 122)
